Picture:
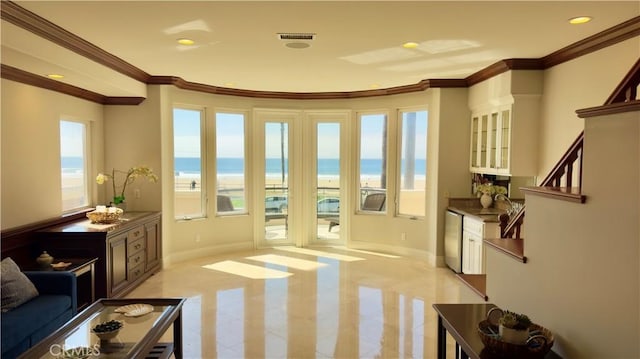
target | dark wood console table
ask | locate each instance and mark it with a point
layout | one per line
(128, 252)
(461, 321)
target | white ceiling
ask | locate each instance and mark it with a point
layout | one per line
(357, 44)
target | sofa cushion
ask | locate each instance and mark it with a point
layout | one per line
(15, 286)
(31, 316)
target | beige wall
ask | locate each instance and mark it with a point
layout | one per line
(451, 170)
(584, 82)
(582, 279)
(31, 150)
(132, 138)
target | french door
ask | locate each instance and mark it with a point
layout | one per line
(326, 179)
(300, 182)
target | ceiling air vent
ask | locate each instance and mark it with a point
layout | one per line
(296, 36)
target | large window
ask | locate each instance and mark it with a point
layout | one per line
(413, 163)
(190, 194)
(230, 163)
(73, 160)
(373, 162)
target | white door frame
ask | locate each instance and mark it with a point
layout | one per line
(292, 118)
(310, 176)
(302, 184)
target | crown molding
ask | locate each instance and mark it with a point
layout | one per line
(17, 75)
(504, 66)
(193, 86)
(608, 37)
(42, 27)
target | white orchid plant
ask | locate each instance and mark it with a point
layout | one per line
(129, 177)
(491, 189)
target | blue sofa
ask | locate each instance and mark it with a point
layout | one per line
(32, 321)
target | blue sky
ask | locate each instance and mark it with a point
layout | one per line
(187, 136)
(71, 139)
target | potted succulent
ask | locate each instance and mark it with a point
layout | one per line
(514, 327)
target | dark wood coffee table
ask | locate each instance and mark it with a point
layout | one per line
(461, 322)
(138, 338)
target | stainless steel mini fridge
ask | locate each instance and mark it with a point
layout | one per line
(453, 241)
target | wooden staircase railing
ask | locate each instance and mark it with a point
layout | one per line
(560, 181)
(627, 90)
(512, 227)
(562, 175)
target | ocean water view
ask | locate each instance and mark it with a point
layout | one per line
(189, 166)
(326, 166)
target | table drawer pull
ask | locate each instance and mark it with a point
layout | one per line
(135, 245)
(136, 233)
(136, 259)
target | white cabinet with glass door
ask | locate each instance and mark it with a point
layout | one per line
(504, 138)
(490, 141)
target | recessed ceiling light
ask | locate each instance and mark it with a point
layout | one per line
(410, 45)
(55, 76)
(374, 86)
(186, 42)
(580, 20)
(229, 84)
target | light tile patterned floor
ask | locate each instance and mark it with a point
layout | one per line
(307, 303)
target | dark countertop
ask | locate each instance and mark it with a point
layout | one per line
(486, 215)
(85, 225)
(471, 207)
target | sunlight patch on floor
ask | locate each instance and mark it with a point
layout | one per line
(301, 264)
(311, 252)
(247, 270)
(366, 252)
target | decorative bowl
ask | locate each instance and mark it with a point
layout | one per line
(134, 310)
(105, 217)
(537, 346)
(60, 265)
(107, 330)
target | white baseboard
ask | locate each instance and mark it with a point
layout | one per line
(174, 258)
(436, 261)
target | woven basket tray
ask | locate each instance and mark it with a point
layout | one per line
(105, 217)
(539, 343)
